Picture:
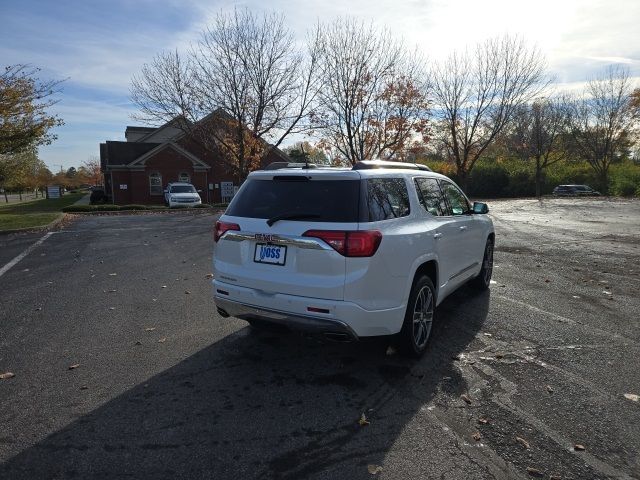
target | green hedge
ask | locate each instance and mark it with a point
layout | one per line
(515, 178)
(107, 207)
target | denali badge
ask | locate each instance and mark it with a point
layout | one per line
(264, 237)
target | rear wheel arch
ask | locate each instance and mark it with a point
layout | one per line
(430, 269)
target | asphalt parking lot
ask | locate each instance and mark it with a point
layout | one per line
(526, 380)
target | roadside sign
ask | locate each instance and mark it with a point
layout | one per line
(226, 191)
(53, 191)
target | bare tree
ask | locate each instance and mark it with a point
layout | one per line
(537, 133)
(244, 80)
(477, 92)
(372, 102)
(604, 118)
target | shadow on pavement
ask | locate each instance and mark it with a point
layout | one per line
(261, 405)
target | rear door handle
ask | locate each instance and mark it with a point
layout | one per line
(437, 235)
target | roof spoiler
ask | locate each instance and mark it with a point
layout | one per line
(371, 164)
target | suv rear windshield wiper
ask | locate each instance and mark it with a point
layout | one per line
(291, 216)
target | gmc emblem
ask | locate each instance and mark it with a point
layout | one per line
(264, 237)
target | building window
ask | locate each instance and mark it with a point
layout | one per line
(155, 184)
(184, 177)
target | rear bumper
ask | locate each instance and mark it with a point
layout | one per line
(295, 322)
(344, 318)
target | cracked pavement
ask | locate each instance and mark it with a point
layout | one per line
(514, 379)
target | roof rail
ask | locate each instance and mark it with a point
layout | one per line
(371, 164)
(281, 165)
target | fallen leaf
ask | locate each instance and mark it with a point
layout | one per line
(546, 280)
(113, 274)
(499, 355)
(138, 342)
(84, 387)
(579, 447)
(523, 442)
(162, 340)
(7, 375)
(632, 396)
(487, 335)
(38, 309)
(209, 275)
(534, 472)
(555, 477)
(549, 389)
(149, 329)
(374, 469)
(466, 398)
(74, 366)
(483, 420)
(477, 436)
(187, 292)
(164, 286)
(112, 291)
(363, 420)
(606, 293)
(112, 308)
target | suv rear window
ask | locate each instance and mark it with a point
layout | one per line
(322, 200)
(387, 198)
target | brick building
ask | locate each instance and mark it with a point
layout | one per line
(137, 170)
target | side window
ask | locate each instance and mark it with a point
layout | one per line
(457, 201)
(155, 184)
(387, 198)
(430, 196)
(184, 177)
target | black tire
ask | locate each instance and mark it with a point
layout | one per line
(483, 280)
(414, 337)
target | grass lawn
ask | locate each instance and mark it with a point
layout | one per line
(37, 213)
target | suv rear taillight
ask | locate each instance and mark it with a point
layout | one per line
(222, 227)
(361, 243)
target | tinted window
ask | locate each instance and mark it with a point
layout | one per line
(183, 189)
(321, 200)
(430, 196)
(456, 199)
(387, 198)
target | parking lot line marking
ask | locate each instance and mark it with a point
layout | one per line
(13, 262)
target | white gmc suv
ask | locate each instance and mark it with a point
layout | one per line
(349, 253)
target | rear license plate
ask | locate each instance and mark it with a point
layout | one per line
(272, 254)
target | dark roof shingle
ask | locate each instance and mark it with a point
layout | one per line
(122, 153)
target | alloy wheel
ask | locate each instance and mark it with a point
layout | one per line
(422, 317)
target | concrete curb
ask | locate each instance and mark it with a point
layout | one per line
(195, 211)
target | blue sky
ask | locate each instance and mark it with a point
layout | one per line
(99, 45)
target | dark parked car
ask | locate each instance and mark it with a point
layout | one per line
(574, 190)
(97, 195)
